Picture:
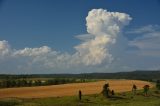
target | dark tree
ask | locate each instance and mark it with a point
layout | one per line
(158, 84)
(106, 90)
(134, 89)
(80, 94)
(146, 89)
(112, 92)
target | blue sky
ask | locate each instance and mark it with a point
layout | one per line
(56, 23)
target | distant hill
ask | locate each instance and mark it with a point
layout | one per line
(140, 75)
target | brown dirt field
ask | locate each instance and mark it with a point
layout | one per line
(70, 89)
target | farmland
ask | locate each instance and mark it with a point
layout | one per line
(66, 95)
(70, 89)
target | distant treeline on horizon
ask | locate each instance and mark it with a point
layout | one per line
(137, 75)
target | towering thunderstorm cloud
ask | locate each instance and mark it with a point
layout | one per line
(103, 27)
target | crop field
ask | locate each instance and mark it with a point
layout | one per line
(71, 89)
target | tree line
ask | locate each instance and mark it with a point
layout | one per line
(138, 75)
(9, 83)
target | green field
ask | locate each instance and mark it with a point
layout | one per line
(120, 99)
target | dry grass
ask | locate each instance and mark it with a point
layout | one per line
(70, 89)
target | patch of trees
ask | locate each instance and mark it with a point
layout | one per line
(9, 83)
(108, 93)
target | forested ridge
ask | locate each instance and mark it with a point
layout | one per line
(139, 75)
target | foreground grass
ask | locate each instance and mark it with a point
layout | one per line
(121, 99)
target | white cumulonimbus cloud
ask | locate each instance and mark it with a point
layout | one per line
(103, 27)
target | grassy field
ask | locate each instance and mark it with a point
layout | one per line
(120, 99)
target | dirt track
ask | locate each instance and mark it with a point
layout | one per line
(70, 89)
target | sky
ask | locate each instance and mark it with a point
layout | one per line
(79, 36)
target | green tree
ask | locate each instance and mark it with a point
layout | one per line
(8, 83)
(30, 83)
(24, 82)
(158, 84)
(38, 83)
(13, 83)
